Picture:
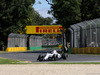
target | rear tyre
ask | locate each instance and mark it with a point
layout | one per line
(64, 56)
(54, 57)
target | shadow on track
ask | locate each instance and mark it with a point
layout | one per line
(39, 51)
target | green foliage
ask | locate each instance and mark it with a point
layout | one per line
(69, 12)
(66, 12)
(15, 15)
(47, 21)
(90, 9)
(39, 2)
(36, 19)
(7, 61)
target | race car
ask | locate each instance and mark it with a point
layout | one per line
(52, 56)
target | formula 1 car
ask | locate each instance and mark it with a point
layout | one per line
(52, 56)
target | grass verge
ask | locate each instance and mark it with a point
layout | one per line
(7, 61)
(10, 61)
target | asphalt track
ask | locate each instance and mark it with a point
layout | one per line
(33, 55)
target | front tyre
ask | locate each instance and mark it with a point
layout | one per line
(40, 58)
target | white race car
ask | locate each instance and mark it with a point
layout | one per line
(52, 56)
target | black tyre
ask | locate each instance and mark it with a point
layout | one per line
(64, 56)
(40, 58)
(54, 57)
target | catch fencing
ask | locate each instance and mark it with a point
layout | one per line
(21, 42)
(51, 42)
(17, 42)
(85, 34)
(35, 42)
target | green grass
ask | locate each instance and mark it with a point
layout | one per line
(67, 63)
(10, 61)
(7, 61)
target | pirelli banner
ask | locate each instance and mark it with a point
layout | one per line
(45, 29)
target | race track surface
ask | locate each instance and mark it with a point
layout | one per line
(33, 55)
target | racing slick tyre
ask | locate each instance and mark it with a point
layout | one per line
(54, 57)
(40, 58)
(64, 56)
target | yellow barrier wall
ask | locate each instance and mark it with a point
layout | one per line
(16, 49)
(87, 50)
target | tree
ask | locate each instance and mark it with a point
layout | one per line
(69, 12)
(13, 14)
(36, 19)
(47, 21)
(90, 9)
(66, 12)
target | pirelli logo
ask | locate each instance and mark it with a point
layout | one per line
(55, 29)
